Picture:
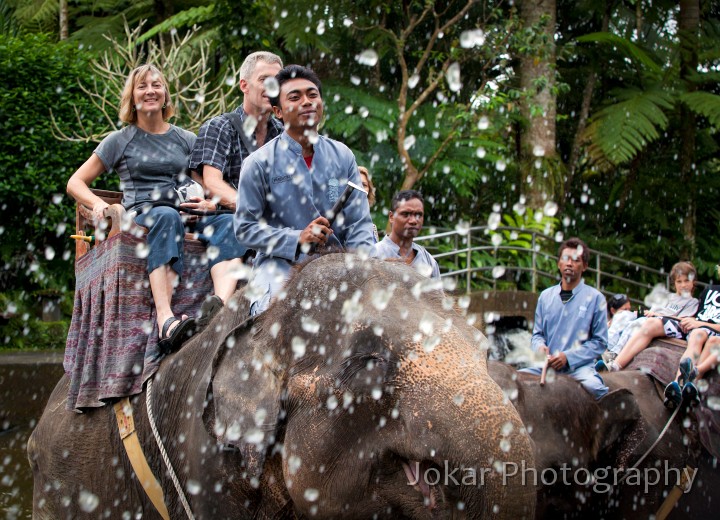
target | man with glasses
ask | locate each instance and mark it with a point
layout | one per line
(571, 321)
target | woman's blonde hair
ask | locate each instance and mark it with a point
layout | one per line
(371, 186)
(127, 113)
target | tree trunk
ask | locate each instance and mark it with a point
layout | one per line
(63, 16)
(537, 81)
(689, 24)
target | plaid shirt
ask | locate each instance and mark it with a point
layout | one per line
(218, 145)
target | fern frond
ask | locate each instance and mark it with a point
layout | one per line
(186, 18)
(705, 104)
(38, 13)
(624, 45)
(618, 132)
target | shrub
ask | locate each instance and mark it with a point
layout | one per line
(39, 75)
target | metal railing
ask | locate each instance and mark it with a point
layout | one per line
(470, 253)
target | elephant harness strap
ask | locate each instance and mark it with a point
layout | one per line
(686, 479)
(126, 426)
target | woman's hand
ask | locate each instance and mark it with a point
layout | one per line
(98, 211)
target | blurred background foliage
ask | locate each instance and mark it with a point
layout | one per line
(618, 99)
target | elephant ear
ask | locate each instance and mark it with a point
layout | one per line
(619, 415)
(243, 397)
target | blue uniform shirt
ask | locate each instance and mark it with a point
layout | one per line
(279, 196)
(578, 328)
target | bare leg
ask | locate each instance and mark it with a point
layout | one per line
(710, 356)
(696, 340)
(651, 329)
(224, 281)
(162, 283)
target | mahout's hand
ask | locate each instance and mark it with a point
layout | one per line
(317, 232)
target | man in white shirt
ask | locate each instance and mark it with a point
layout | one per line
(406, 221)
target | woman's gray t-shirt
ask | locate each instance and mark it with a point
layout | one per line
(149, 165)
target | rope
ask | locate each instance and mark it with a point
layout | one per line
(164, 454)
(662, 433)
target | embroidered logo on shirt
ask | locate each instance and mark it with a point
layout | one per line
(332, 190)
(280, 180)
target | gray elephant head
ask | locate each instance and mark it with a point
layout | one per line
(361, 392)
(372, 388)
(584, 447)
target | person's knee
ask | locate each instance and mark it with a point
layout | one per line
(697, 336)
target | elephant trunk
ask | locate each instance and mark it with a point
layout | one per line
(473, 438)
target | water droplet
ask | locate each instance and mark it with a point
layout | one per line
(496, 239)
(494, 220)
(480, 152)
(88, 501)
(483, 123)
(431, 343)
(413, 80)
(426, 325)
(347, 22)
(462, 227)
(355, 80)
(310, 325)
(294, 463)
(199, 98)
(298, 346)
(713, 402)
(550, 209)
(193, 487)
(311, 495)
(249, 125)
(459, 399)
(332, 402)
(538, 151)
(376, 393)
(49, 253)
(320, 27)
(453, 77)
(500, 165)
(505, 445)
(272, 87)
(142, 250)
(498, 271)
(409, 142)
(367, 57)
(472, 38)
(380, 298)
(349, 109)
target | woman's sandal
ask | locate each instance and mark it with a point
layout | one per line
(173, 342)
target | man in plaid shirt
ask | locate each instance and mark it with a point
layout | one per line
(219, 151)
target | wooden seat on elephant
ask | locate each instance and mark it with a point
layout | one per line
(112, 344)
(660, 361)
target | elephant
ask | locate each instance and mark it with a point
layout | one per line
(361, 392)
(570, 429)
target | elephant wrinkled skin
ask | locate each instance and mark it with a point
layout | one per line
(359, 382)
(572, 430)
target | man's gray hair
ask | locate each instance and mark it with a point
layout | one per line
(248, 66)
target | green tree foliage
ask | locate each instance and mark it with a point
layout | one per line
(38, 216)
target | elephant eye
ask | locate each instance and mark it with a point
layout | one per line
(362, 372)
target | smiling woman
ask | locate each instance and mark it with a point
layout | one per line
(151, 157)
